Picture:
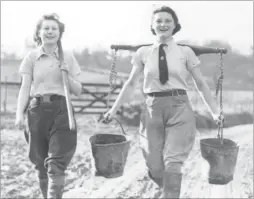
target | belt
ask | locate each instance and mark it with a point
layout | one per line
(49, 98)
(174, 92)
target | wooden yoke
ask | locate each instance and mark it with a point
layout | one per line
(198, 50)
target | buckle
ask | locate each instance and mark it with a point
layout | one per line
(43, 98)
(46, 98)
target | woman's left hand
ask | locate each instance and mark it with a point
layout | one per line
(218, 118)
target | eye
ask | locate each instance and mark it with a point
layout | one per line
(158, 21)
(168, 20)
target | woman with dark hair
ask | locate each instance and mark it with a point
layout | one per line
(51, 142)
(168, 125)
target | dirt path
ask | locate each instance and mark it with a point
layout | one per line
(135, 183)
(18, 178)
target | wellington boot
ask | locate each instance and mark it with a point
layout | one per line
(43, 183)
(56, 187)
(158, 181)
(171, 185)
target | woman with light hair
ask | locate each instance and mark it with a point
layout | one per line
(51, 142)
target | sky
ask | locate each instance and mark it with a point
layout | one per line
(98, 24)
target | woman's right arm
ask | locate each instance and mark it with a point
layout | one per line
(138, 66)
(127, 88)
(25, 70)
(24, 93)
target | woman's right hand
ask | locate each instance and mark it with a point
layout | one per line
(20, 121)
(108, 116)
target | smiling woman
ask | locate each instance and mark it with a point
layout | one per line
(48, 31)
(51, 142)
(165, 24)
(167, 126)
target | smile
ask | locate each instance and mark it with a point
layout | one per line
(164, 29)
(49, 37)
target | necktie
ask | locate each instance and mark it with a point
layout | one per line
(163, 67)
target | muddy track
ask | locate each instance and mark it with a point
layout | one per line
(135, 183)
(18, 178)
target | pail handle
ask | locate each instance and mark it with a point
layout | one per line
(106, 121)
(120, 126)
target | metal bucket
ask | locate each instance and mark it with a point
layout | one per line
(110, 153)
(222, 158)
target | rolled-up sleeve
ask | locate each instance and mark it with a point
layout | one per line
(192, 60)
(26, 66)
(137, 59)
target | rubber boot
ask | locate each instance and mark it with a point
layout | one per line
(158, 181)
(43, 183)
(56, 187)
(171, 185)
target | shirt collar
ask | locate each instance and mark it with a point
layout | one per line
(41, 52)
(169, 43)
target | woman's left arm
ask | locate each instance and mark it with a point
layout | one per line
(205, 92)
(193, 66)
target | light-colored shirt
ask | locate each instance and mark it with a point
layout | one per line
(45, 71)
(180, 60)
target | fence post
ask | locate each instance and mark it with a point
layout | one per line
(5, 95)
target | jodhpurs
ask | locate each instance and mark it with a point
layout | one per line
(51, 143)
(167, 133)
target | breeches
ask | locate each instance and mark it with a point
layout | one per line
(167, 133)
(51, 143)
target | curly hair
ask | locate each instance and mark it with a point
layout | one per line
(170, 11)
(53, 17)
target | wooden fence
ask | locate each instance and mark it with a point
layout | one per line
(94, 98)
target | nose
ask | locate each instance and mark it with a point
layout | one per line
(50, 30)
(163, 23)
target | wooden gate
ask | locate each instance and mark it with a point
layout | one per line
(94, 98)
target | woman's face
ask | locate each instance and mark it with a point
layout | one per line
(163, 24)
(49, 32)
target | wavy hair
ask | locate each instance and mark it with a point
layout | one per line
(53, 17)
(170, 11)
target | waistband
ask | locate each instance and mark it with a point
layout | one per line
(174, 92)
(49, 98)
